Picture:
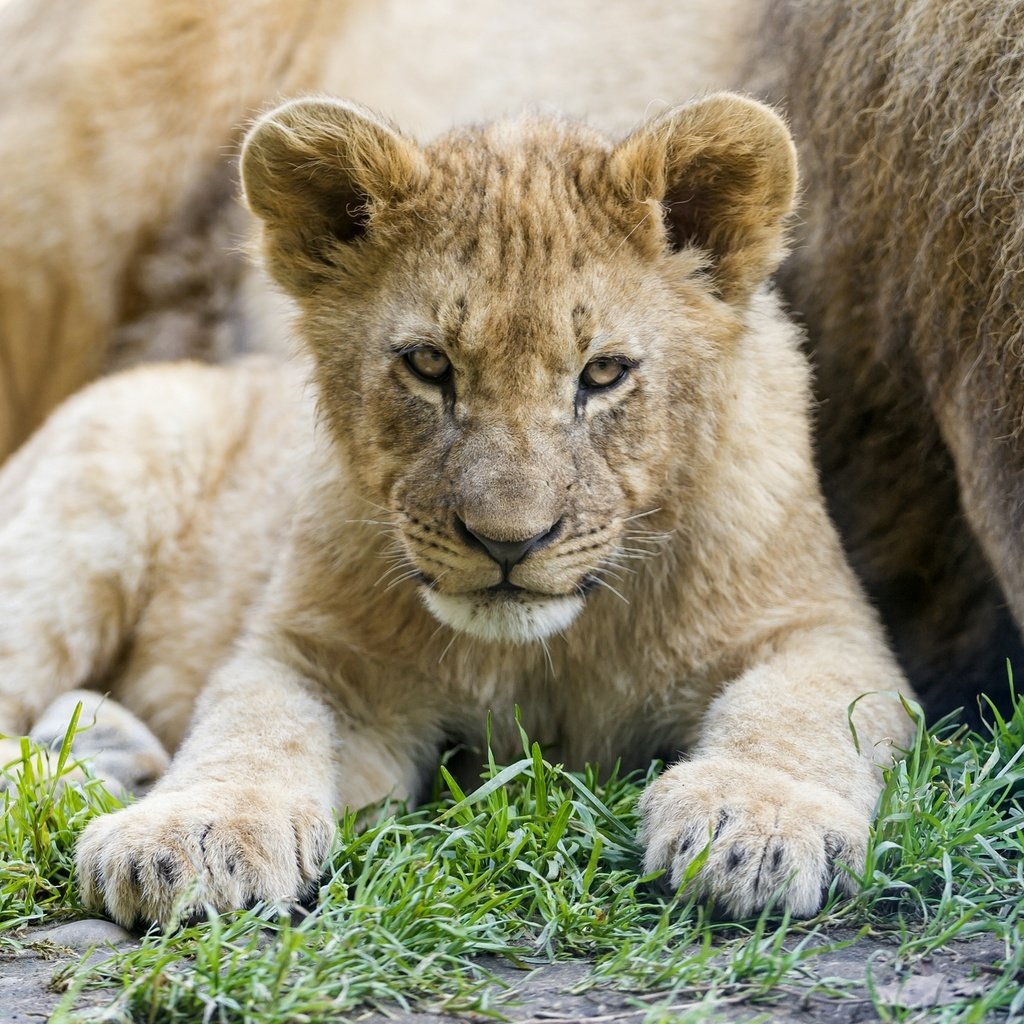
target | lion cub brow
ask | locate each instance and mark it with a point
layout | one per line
(523, 192)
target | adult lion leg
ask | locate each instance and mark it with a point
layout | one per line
(245, 812)
(778, 783)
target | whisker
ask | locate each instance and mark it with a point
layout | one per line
(400, 558)
(607, 586)
(643, 545)
(615, 564)
(401, 564)
(634, 228)
(396, 562)
(634, 558)
(641, 515)
(436, 579)
(401, 579)
(547, 657)
(648, 536)
(447, 647)
(379, 508)
(607, 572)
(455, 552)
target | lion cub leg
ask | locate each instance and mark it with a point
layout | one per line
(72, 578)
(782, 784)
(79, 530)
(245, 812)
(120, 748)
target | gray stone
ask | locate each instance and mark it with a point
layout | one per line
(84, 934)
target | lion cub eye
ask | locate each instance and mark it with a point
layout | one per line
(429, 364)
(603, 372)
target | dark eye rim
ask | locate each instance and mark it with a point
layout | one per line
(406, 355)
(625, 365)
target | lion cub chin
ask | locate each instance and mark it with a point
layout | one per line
(548, 447)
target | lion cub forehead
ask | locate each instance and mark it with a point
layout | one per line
(526, 162)
(518, 143)
(524, 195)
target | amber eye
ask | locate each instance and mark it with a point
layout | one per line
(429, 364)
(603, 372)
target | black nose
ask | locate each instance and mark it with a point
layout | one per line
(507, 553)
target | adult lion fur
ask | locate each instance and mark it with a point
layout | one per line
(909, 271)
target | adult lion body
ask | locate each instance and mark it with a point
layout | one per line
(540, 360)
(909, 118)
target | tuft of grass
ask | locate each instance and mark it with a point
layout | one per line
(538, 863)
(43, 812)
(945, 851)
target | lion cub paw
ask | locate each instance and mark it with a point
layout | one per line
(120, 749)
(166, 857)
(774, 838)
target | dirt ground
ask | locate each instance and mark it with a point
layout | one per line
(545, 995)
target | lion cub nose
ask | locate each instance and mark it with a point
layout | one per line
(507, 553)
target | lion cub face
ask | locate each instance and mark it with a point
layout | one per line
(521, 332)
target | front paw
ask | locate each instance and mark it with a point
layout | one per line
(166, 857)
(773, 838)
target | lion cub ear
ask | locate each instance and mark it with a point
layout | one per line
(723, 171)
(317, 172)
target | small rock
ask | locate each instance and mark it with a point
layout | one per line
(919, 992)
(85, 934)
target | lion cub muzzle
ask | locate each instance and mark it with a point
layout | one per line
(509, 590)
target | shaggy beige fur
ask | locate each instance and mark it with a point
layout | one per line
(560, 461)
(119, 127)
(910, 272)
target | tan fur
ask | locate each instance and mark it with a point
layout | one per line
(119, 128)
(910, 273)
(308, 547)
(107, 132)
(115, 744)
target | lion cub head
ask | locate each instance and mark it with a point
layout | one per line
(522, 332)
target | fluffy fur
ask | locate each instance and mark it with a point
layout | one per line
(257, 567)
(910, 273)
(119, 130)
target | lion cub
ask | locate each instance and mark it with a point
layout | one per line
(550, 450)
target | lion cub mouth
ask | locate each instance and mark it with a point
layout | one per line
(505, 612)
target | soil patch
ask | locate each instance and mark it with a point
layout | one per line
(833, 988)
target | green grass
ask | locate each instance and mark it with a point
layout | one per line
(539, 863)
(41, 820)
